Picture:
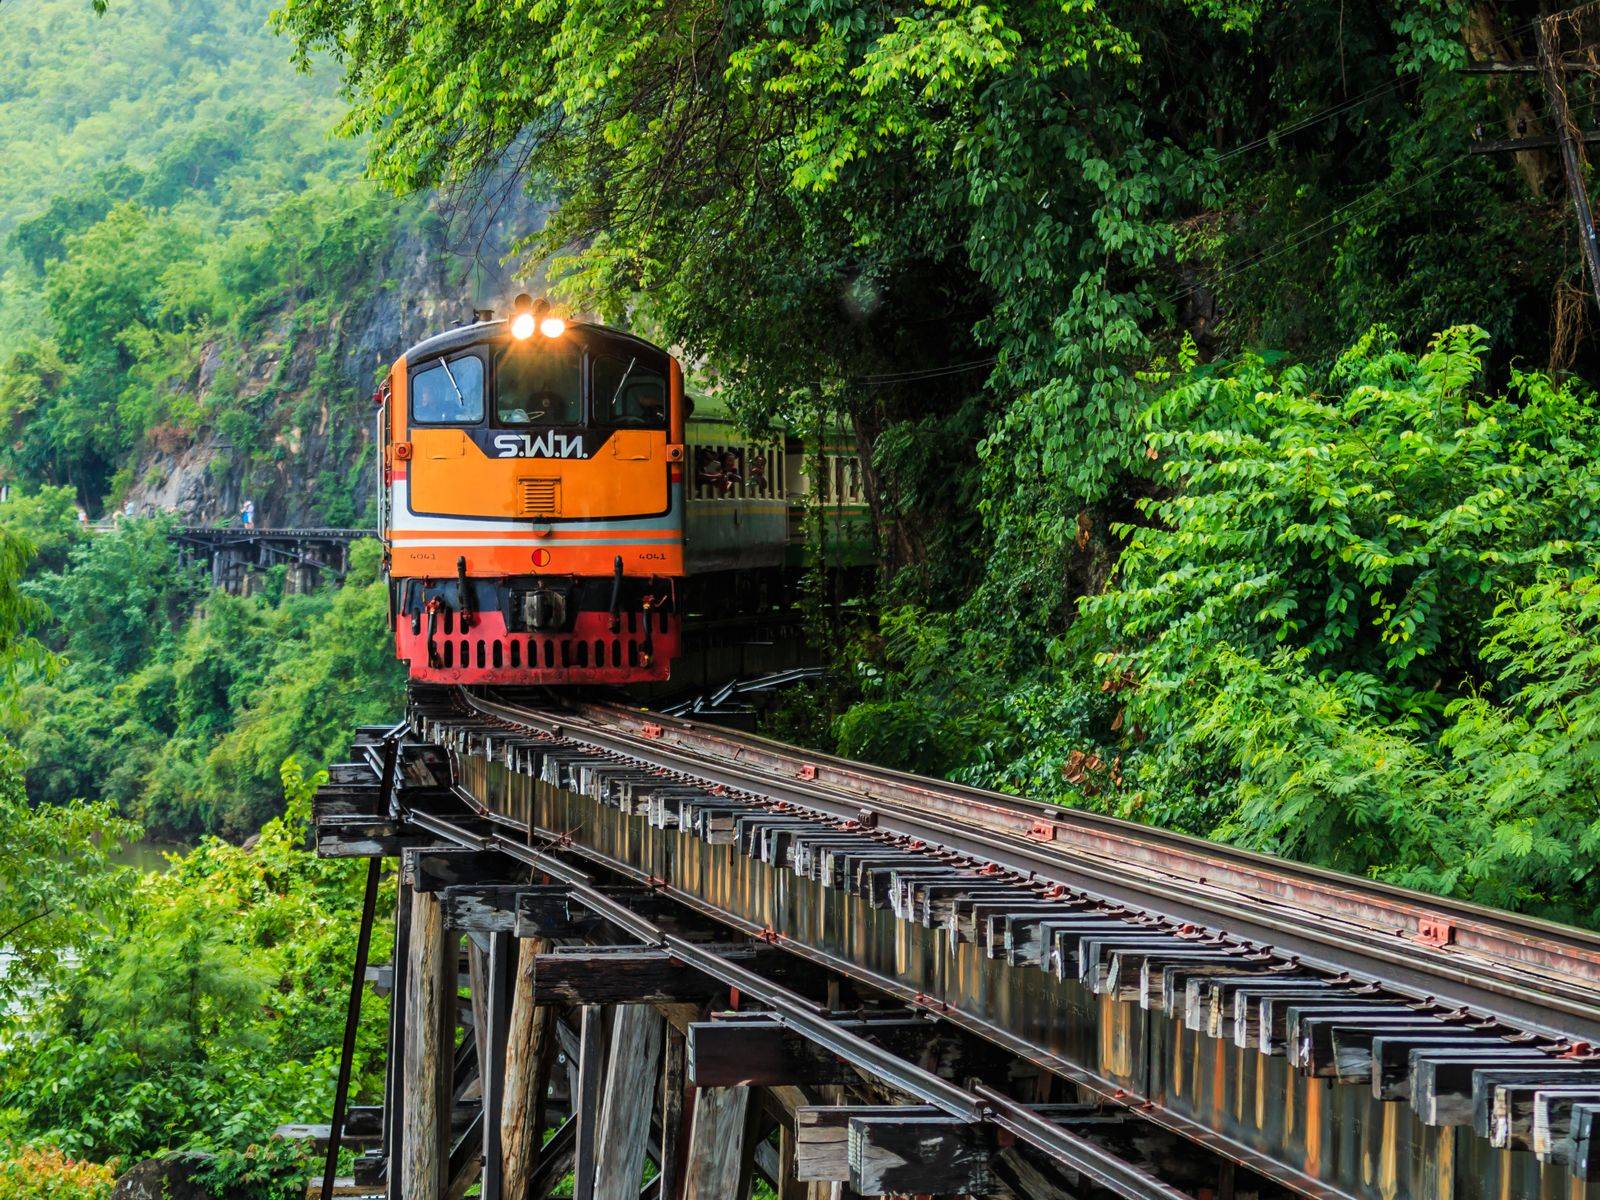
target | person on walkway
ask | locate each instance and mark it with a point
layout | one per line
(247, 514)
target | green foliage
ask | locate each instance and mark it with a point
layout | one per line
(205, 1013)
(187, 91)
(170, 209)
(47, 519)
(122, 595)
(1364, 588)
(183, 716)
(54, 862)
(134, 301)
(1359, 625)
(1373, 527)
(55, 876)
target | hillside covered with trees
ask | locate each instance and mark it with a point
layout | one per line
(197, 290)
(1229, 430)
(196, 293)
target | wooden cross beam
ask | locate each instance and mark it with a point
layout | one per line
(335, 801)
(362, 837)
(761, 1053)
(821, 1150)
(551, 910)
(757, 1049)
(437, 868)
(893, 1153)
(911, 1149)
(618, 975)
(530, 910)
(482, 907)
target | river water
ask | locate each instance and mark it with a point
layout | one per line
(149, 855)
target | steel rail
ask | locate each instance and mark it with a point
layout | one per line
(1209, 855)
(982, 1104)
(1147, 1107)
(747, 747)
(1109, 1091)
(1503, 989)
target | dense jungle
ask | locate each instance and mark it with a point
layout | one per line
(1228, 426)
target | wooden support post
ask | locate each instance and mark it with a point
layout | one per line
(492, 1043)
(426, 1073)
(521, 1129)
(758, 1126)
(478, 999)
(674, 1093)
(394, 1071)
(790, 1185)
(625, 1107)
(717, 1144)
(586, 1100)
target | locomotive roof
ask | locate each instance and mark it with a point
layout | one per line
(486, 331)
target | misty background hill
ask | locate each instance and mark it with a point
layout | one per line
(197, 289)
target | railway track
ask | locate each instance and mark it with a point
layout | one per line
(1540, 974)
(1292, 1031)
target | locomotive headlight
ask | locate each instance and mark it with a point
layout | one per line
(522, 326)
(551, 327)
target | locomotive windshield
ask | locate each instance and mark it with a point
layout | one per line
(539, 384)
(628, 393)
(449, 391)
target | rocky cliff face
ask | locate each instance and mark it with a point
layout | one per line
(302, 446)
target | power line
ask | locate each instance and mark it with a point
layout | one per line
(1306, 122)
(946, 369)
(1379, 196)
(1340, 216)
(1376, 92)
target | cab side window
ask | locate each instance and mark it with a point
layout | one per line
(448, 392)
(627, 393)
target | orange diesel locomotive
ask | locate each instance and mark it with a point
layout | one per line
(532, 503)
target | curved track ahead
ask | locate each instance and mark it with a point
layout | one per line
(1225, 997)
(1534, 974)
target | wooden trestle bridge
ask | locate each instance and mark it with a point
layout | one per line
(236, 554)
(672, 962)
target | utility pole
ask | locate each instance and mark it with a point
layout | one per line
(1554, 77)
(1553, 70)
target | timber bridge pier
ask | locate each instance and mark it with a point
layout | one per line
(675, 962)
(237, 554)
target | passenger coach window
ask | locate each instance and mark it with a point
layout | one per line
(539, 382)
(628, 393)
(448, 392)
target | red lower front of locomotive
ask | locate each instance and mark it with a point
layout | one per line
(560, 633)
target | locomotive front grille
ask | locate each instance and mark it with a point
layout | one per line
(538, 496)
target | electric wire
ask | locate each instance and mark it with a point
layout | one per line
(1379, 196)
(1335, 219)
